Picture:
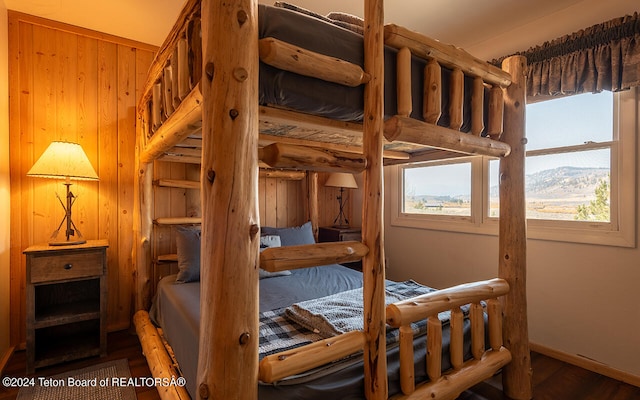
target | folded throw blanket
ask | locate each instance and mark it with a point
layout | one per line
(343, 312)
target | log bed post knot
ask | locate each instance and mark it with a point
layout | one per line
(203, 391)
(244, 338)
(211, 176)
(253, 230)
(242, 17)
(233, 113)
(240, 74)
(209, 70)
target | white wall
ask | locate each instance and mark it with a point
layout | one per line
(583, 299)
(4, 182)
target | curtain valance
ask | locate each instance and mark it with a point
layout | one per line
(602, 57)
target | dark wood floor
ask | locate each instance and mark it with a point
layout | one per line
(552, 379)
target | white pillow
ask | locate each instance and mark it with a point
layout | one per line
(270, 241)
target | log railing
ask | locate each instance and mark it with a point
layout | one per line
(463, 374)
(172, 97)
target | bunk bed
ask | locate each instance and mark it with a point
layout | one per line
(205, 103)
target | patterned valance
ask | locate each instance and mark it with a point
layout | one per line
(602, 57)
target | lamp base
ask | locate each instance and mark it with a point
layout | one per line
(67, 242)
(344, 226)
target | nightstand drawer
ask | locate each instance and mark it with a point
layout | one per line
(70, 266)
(349, 236)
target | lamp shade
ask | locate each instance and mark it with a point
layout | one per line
(341, 179)
(64, 160)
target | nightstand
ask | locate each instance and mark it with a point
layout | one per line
(337, 234)
(66, 302)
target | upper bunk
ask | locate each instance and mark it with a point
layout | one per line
(440, 102)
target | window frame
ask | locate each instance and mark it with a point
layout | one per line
(619, 232)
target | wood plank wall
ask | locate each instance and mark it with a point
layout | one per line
(281, 204)
(73, 84)
(69, 83)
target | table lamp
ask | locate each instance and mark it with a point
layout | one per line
(65, 160)
(341, 180)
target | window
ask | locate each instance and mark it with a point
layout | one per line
(440, 189)
(579, 177)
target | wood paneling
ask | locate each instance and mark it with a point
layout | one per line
(73, 84)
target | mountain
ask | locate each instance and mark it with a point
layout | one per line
(562, 182)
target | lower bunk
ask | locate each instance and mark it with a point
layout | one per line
(465, 351)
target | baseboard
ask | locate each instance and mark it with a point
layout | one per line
(4, 360)
(587, 363)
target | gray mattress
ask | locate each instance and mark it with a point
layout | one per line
(318, 97)
(176, 309)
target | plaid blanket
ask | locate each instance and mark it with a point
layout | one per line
(279, 333)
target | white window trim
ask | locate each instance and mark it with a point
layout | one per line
(621, 231)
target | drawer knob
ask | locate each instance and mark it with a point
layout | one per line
(68, 266)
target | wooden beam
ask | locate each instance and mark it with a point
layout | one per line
(420, 307)
(228, 346)
(413, 131)
(432, 91)
(160, 363)
(278, 116)
(373, 269)
(282, 174)
(180, 159)
(403, 82)
(166, 50)
(167, 258)
(512, 264)
(452, 384)
(429, 154)
(477, 106)
(280, 365)
(176, 183)
(495, 118)
(178, 221)
(279, 155)
(266, 139)
(295, 59)
(274, 259)
(456, 99)
(176, 128)
(447, 55)
(312, 202)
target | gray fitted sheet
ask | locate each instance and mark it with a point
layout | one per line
(176, 309)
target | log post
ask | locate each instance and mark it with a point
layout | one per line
(403, 81)
(375, 357)
(228, 346)
(143, 222)
(496, 113)
(477, 106)
(432, 107)
(456, 99)
(434, 347)
(456, 348)
(312, 193)
(407, 369)
(516, 376)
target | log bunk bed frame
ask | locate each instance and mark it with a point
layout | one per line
(222, 130)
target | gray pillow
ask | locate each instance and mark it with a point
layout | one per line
(270, 241)
(292, 236)
(188, 247)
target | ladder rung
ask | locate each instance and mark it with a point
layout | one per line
(167, 258)
(178, 221)
(175, 183)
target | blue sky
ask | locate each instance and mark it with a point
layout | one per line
(560, 122)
